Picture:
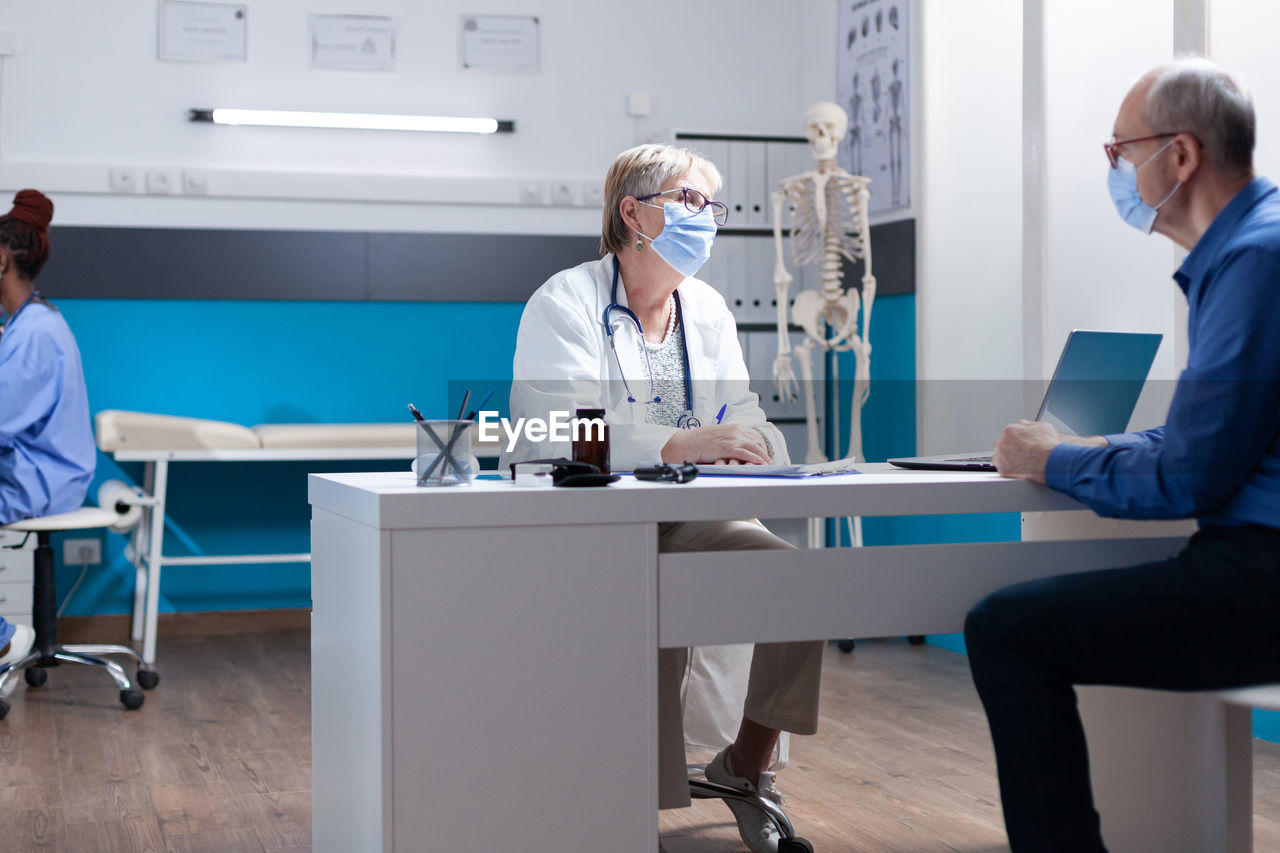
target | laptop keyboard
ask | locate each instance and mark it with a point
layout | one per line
(983, 459)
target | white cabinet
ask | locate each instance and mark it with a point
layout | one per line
(16, 572)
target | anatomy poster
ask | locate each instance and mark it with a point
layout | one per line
(872, 85)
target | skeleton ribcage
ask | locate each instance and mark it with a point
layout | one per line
(843, 229)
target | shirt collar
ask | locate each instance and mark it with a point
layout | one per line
(1206, 249)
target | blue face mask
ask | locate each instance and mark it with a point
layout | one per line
(1123, 183)
(686, 238)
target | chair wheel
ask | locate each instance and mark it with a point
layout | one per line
(132, 699)
(147, 678)
(4, 709)
(794, 845)
(916, 639)
(845, 646)
(35, 676)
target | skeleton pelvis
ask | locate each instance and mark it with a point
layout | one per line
(813, 312)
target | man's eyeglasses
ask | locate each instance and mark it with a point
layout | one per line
(696, 202)
(1113, 148)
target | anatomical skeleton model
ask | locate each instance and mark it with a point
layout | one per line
(828, 224)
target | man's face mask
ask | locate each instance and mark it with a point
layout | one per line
(1122, 181)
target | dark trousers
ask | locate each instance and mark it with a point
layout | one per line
(1206, 619)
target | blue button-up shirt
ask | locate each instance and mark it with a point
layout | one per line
(47, 454)
(1217, 458)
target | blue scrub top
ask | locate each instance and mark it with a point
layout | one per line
(47, 454)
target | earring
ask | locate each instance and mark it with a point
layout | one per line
(639, 245)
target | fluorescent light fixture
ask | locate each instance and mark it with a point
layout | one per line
(355, 121)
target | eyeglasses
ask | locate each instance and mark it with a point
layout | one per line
(1113, 148)
(696, 202)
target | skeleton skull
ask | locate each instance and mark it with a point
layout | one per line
(825, 125)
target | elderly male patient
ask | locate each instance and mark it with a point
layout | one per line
(46, 444)
(1181, 165)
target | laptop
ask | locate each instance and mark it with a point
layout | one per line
(1093, 392)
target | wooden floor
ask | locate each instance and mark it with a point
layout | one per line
(218, 759)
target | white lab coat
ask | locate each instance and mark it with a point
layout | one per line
(563, 362)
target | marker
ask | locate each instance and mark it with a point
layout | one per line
(720, 414)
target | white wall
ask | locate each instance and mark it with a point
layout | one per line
(1099, 273)
(1242, 38)
(970, 224)
(85, 88)
(1019, 241)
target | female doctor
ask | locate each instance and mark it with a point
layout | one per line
(636, 335)
(47, 454)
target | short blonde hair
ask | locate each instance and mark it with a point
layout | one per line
(640, 171)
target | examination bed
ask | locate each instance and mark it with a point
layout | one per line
(156, 440)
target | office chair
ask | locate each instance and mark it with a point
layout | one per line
(701, 789)
(46, 651)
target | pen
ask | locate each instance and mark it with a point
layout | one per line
(480, 408)
(417, 416)
(720, 414)
(462, 410)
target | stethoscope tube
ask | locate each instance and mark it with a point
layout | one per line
(687, 420)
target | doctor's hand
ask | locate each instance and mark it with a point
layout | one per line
(720, 443)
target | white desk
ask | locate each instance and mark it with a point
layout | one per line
(484, 659)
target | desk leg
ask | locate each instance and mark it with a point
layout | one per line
(154, 560)
(1171, 771)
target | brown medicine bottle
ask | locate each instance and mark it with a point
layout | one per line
(591, 443)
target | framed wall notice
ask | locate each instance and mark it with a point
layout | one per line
(873, 85)
(499, 43)
(202, 32)
(353, 43)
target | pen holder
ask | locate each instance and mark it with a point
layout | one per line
(444, 454)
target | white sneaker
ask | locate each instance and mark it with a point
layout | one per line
(758, 832)
(24, 637)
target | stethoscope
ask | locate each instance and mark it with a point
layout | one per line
(685, 421)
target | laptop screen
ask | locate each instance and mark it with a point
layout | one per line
(1098, 381)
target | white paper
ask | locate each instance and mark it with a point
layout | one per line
(202, 32)
(499, 43)
(353, 43)
(874, 37)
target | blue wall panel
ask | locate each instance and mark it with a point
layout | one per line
(261, 362)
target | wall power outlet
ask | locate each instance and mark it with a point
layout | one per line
(81, 552)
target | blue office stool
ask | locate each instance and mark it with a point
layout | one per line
(47, 652)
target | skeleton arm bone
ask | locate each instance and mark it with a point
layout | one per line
(784, 376)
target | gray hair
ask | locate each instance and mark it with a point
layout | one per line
(642, 170)
(1194, 95)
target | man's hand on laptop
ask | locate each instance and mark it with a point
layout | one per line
(1023, 449)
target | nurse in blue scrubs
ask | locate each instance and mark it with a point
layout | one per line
(47, 453)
